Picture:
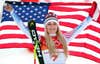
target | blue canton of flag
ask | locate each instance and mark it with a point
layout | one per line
(28, 11)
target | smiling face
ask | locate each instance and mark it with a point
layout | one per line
(51, 27)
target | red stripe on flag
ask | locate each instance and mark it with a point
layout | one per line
(85, 45)
(30, 0)
(62, 3)
(93, 38)
(9, 27)
(93, 48)
(67, 24)
(16, 45)
(94, 28)
(78, 17)
(5, 36)
(66, 9)
(84, 55)
(39, 29)
(79, 44)
(89, 37)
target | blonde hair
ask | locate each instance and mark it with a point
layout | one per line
(50, 43)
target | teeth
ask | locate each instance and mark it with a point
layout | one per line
(52, 29)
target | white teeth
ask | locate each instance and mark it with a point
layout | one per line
(52, 29)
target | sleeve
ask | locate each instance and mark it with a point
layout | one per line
(20, 24)
(80, 28)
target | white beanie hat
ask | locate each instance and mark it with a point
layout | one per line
(51, 17)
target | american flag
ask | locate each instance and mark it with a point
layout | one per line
(56, 0)
(70, 15)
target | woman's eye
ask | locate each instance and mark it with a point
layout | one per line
(54, 24)
(49, 24)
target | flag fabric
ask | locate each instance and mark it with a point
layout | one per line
(56, 1)
(70, 15)
(30, 0)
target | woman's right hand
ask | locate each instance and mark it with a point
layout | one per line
(54, 57)
(8, 8)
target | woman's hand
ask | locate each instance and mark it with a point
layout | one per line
(8, 8)
(54, 57)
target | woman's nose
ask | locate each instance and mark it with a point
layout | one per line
(52, 24)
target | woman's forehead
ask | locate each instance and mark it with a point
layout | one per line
(51, 22)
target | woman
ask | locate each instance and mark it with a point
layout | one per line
(53, 43)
